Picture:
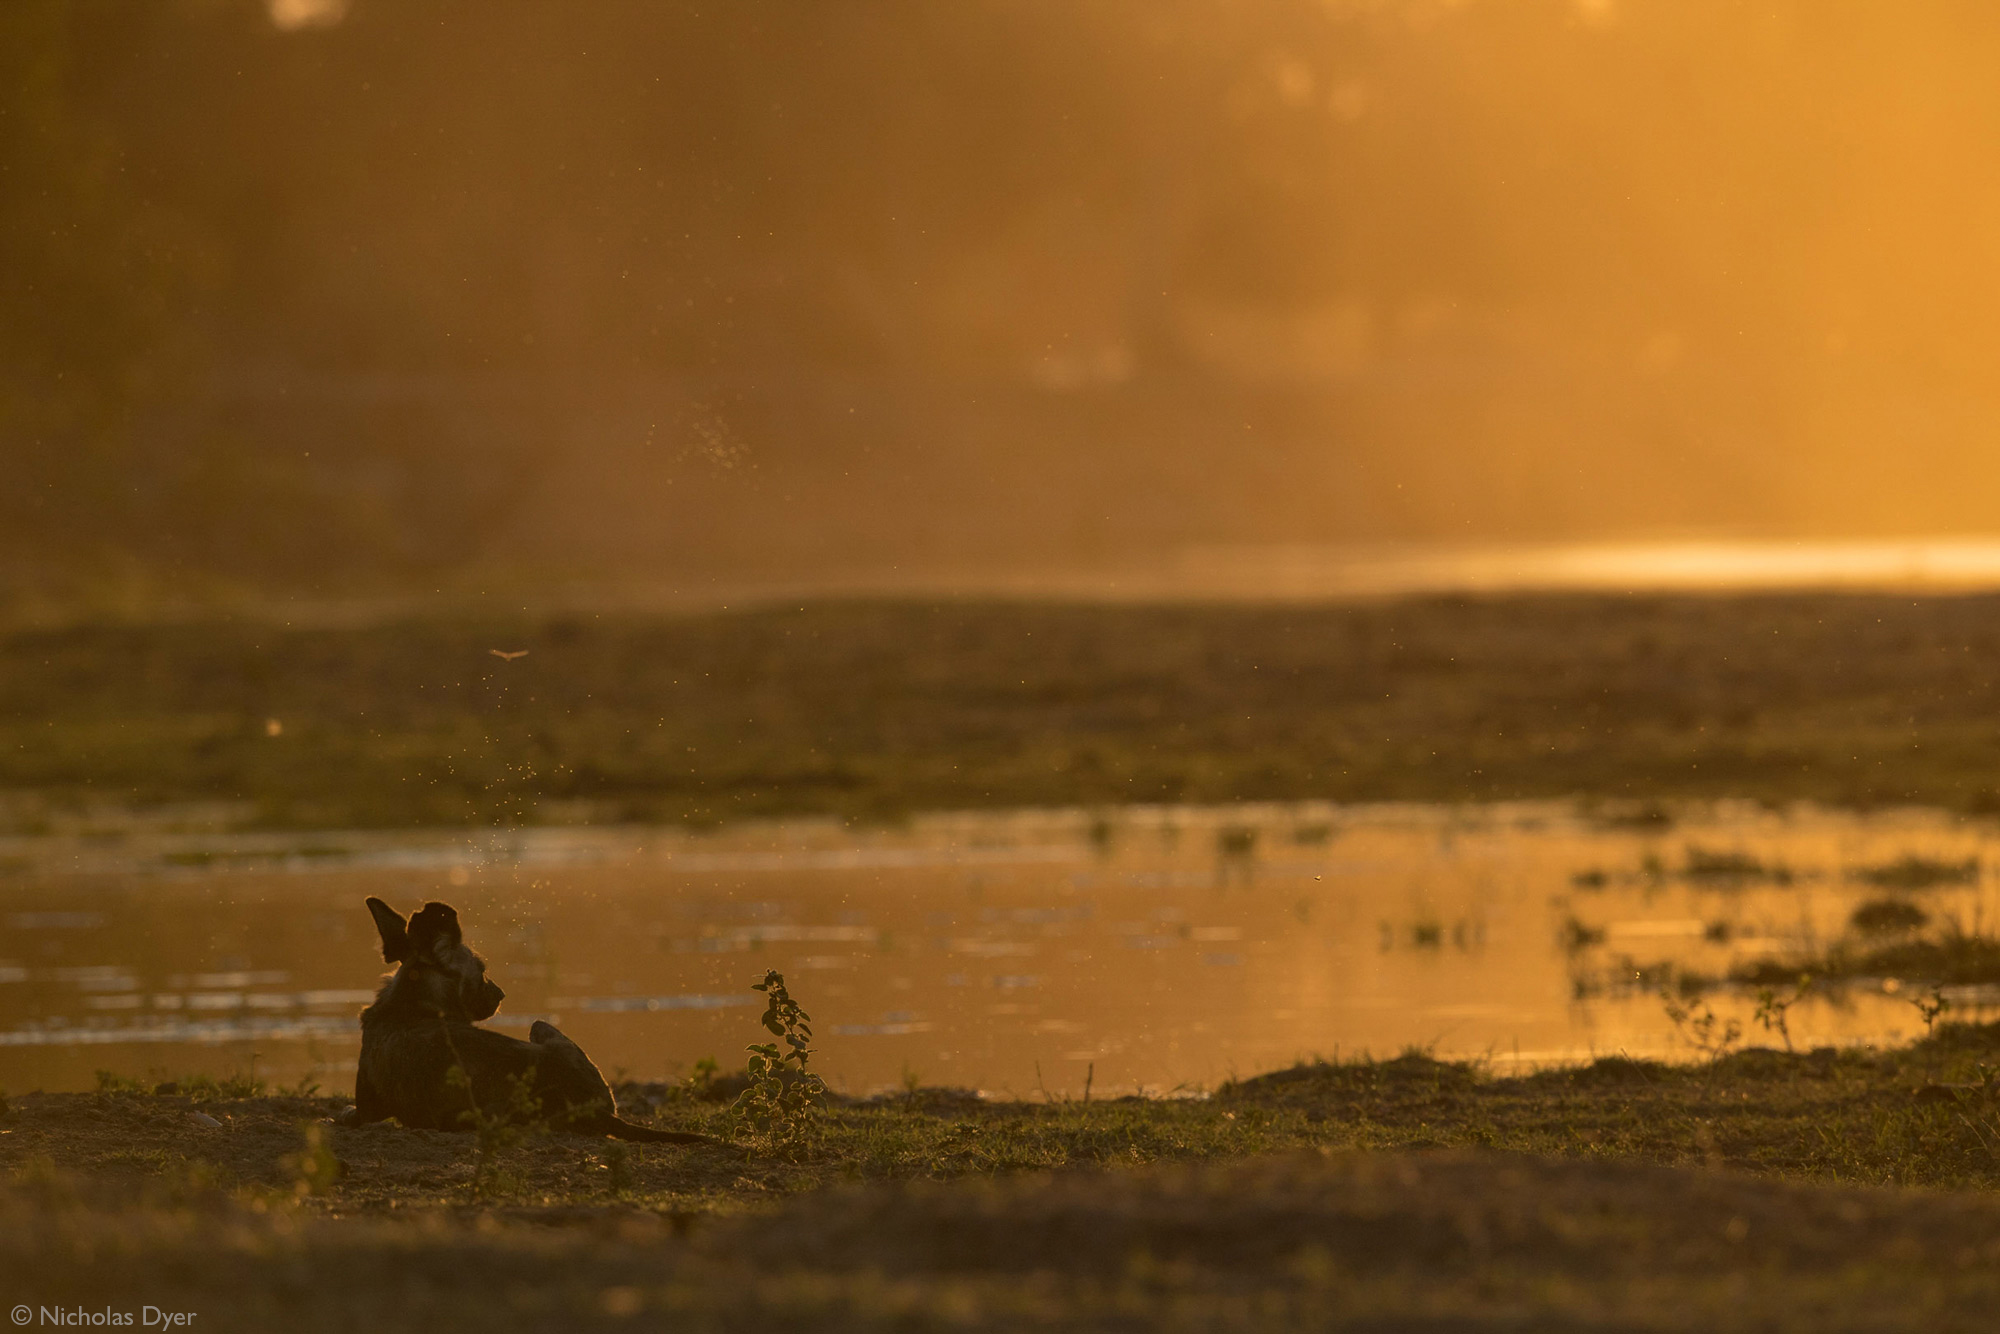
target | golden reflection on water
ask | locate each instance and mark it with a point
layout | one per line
(1160, 949)
(1315, 573)
(1925, 564)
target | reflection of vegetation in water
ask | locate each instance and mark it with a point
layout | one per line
(1883, 917)
(1646, 817)
(1724, 868)
(1951, 957)
(1885, 939)
(1710, 866)
(1884, 946)
(1430, 934)
(1911, 871)
(1727, 868)
(1577, 935)
(1627, 976)
(1236, 841)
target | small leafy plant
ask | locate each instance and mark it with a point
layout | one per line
(783, 1100)
(1773, 1009)
(305, 1087)
(1700, 1027)
(208, 1088)
(700, 1079)
(496, 1129)
(1931, 1007)
(307, 1084)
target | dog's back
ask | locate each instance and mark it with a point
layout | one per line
(407, 1069)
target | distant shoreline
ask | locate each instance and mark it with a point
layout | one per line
(1278, 573)
(873, 711)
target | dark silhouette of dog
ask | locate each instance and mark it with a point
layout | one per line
(422, 1031)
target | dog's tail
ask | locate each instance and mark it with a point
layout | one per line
(619, 1128)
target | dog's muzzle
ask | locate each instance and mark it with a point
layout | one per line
(485, 1001)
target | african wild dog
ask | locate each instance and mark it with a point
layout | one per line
(422, 1027)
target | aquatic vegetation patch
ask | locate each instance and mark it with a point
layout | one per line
(1911, 871)
(1951, 957)
(1730, 867)
(1882, 917)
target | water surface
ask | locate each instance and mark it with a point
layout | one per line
(1162, 949)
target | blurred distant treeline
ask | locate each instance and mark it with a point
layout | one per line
(650, 285)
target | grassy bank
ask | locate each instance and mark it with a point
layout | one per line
(1764, 1191)
(874, 710)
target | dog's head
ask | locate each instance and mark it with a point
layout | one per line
(437, 971)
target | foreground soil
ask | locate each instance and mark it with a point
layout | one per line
(871, 711)
(1766, 1190)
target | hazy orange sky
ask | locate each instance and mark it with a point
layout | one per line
(631, 288)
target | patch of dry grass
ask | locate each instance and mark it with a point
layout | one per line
(1762, 1191)
(875, 710)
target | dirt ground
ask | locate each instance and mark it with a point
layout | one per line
(1306, 1199)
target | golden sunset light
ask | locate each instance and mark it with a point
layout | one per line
(985, 665)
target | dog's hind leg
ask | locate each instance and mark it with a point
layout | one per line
(367, 1103)
(593, 1097)
(545, 1034)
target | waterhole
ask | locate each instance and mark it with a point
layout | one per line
(1161, 950)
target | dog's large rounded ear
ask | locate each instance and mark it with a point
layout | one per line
(395, 932)
(434, 927)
